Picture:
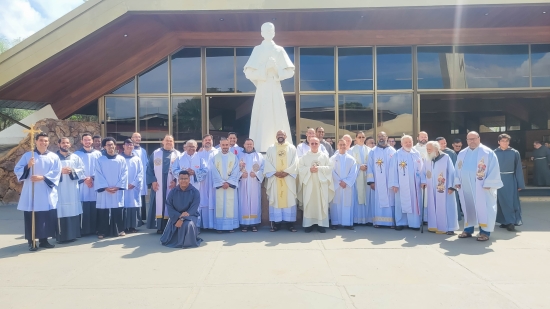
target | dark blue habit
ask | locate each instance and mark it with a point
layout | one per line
(177, 202)
(511, 174)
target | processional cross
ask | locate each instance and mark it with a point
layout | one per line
(32, 131)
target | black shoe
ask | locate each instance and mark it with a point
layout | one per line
(351, 228)
(425, 223)
(369, 224)
(46, 244)
(308, 229)
(503, 226)
(334, 227)
(414, 228)
(321, 229)
(510, 227)
(31, 248)
(399, 228)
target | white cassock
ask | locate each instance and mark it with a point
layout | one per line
(69, 206)
(303, 148)
(195, 162)
(344, 168)
(441, 206)
(406, 175)
(476, 170)
(269, 109)
(424, 154)
(281, 192)
(225, 168)
(110, 171)
(132, 197)
(141, 153)
(363, 196)
(207, 191)
(250, 188)
(378, 171)
(317, 188)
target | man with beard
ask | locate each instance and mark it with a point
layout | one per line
(132, 197)
(141, 153)
(40, 173)
(439, 174)
(320, 132)
(159, 177)
(111, 180)
(405, 181)
(234, 148)
(477, 179)
(303, 147)
(206, 208)
(69, 207)
(457, 145)
(344, 174)
(251, 164)
(511, 173)
(421, 145)
(317, 187)
(541, 158)
(370, 142)
(363, 204)
(97, 143)
(281, 170)
(452, 154)
(225, 180)
(88, 196)
(378, 173)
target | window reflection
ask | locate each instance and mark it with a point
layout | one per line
(128, 88)
(494, 66)
(394, 68)
(355, 68)
(435, 67)
(317, 111)
(288, 84)
(355, 113)
(186, 118)
(243, 84)
(220, 70)
(120, 116)
(317, 69)
(154, 80)
(540, 62)
(395, 114)
(153, 118)
(186, 71)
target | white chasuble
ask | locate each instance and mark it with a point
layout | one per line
(225, 169)
(317, 188)
(344, 169)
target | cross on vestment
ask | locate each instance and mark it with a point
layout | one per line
(32, 131)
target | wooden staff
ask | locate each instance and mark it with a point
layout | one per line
(32, 131)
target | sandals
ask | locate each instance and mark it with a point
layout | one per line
(450, 233)
(244, 229)
(121, 234)
(292, 229)
(254, 229)
(465, 235)
(100, 236)
(482, 237)
(274, 228)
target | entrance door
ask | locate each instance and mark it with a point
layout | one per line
(233, 114)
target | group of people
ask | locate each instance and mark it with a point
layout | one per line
(101, 192)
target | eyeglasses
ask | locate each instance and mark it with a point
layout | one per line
(472, 139)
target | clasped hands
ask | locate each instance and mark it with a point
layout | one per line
(180, 222)
(281, 174)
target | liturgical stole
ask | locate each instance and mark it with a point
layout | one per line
(480, 201)
(227, 195)
(159, 198)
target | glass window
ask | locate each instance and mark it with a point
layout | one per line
(394, 68)
(395, 114)
(317, 69)
(493, 66)
(154, 80)
(120, 116)
(186, 71)
(355, 68)
(220, 70)
(186, 118)
(153, 118)
(243, 84)
(355, 113)
(316, 111)
(435, 64)
(540, 65)
(128, 88)
(492, 124)
(288, 84)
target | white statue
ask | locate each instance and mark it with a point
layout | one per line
(266, 68)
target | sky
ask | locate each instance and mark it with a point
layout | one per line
(22, 18)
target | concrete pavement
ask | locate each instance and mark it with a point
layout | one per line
(365, 268)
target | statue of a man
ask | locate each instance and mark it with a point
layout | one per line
(266, 68)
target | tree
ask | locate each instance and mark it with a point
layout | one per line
(6, 44)
(15, 113)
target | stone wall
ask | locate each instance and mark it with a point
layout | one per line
(10, 188)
